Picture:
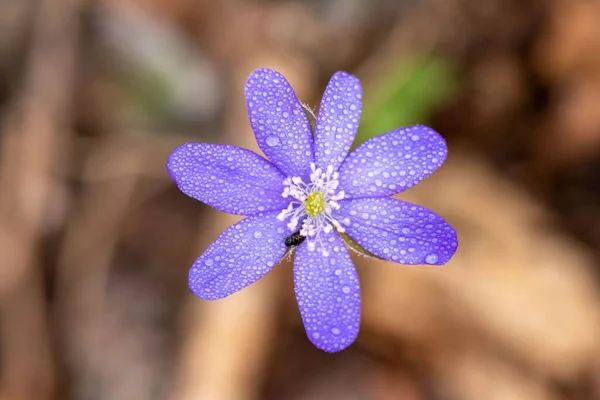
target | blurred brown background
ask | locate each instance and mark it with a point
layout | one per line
(96, 241)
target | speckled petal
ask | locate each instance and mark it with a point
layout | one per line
(399, 231)
(392, 162)
(338, 119)
(244, 253)
(228, 178)
(279, 122)
(328, 294)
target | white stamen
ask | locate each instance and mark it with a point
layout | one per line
(322, 181)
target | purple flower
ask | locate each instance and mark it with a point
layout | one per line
(313, 194)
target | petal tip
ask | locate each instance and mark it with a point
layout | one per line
(349, 79)
(345, 75)
(444, 256)
(332, 344)
(201, 287)
(261, 74)
(452, 247)
(174, 161)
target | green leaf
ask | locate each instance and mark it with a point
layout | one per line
(406, 95)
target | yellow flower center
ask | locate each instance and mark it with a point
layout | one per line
(315, 204)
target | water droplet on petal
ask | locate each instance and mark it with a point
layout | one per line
(272, 141)
(257, 234)
(335, 331)
(346, 289)
(431, 258)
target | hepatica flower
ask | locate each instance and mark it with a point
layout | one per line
(313, 197)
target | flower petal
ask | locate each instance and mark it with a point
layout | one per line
(228, 178)
(328, 294)
(399, 231)
(338, 119)
(392, 162)
(244, 253)
(279, 122)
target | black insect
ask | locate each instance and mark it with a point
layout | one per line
(294, 240)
